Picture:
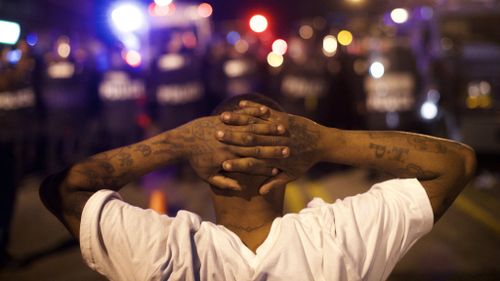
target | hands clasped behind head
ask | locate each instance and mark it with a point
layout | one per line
(267, 131)
(255, 139)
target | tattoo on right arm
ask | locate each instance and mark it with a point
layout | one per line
(395, 153)
(414, 170)
(426, 144)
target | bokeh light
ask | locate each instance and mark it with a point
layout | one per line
(241, 46)
(163, 3)
(133, 58)
(189, 40)
(258, 23)
(429, 110)
(236, 68)
(10, 32)
(161, 11)
(205, 10)
(306, 32)
(426, 12)
(63, 47)
(377, 69)
(344, 37)
(330, 45)
(355, 2)
(14, 56)
(32, 39)
(399, 15)
(479, 95)
(127, 18)
(274, 60)
(232, 37)
(280, 47)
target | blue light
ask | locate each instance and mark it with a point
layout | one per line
(233, 37)
(14, 56)
(10, 32)
(131, 41)
(102, 62)
(32, 39)
(426, 12)
(127, 17)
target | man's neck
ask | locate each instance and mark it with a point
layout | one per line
(249, 216)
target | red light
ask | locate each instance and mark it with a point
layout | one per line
(280, 46)
(189, 40)
(205, 10)
(258, 23)
(143, 120)
(151, 9)
(133, 58)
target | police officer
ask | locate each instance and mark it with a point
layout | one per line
(65, 81)
(17, 131)
(176, 79)
(122, 95)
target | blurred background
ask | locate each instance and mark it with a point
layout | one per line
(78, 77)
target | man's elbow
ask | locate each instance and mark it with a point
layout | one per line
(470, 162)
(50, 192)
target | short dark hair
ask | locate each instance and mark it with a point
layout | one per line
(232, 103)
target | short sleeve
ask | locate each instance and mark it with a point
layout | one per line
(375, 229)
(121, 241)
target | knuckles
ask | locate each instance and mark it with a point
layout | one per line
(250, 164)
(248, 139)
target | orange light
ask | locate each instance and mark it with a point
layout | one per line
(258, 23)
(205, 10)
(133, 58)
(241, 46)
(158, 202)
(306, 32)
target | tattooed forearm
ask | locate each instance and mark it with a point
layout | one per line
(144, 149)
(414, 170)
(395, 153)
(427, 144)
(113, 169)
(443, 167)
(418, 142)
(379, 150)
(166, 147)
(125, 159)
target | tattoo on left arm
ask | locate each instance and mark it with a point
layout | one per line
(144, 149)
(125, 159)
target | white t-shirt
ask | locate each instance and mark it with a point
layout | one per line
(358, 238)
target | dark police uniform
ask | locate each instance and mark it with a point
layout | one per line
(17, 135)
